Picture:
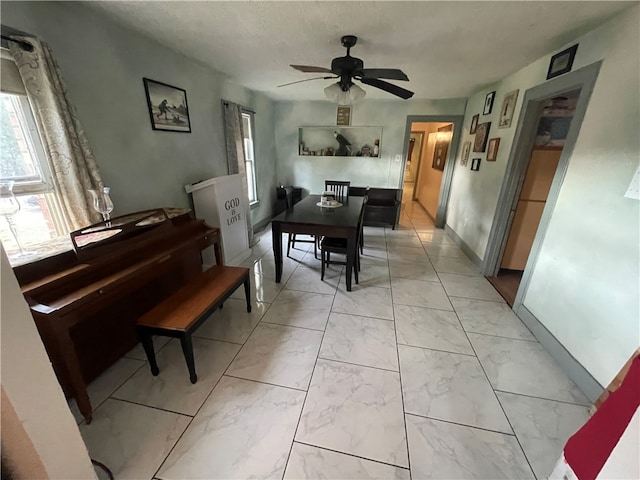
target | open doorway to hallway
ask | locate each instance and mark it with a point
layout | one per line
(552, 126)
(427, 153)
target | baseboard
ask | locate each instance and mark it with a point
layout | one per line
(261, 224)
(574, 370)
(477, 261)
(426, 212)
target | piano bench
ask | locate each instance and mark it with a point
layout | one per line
(185, 310)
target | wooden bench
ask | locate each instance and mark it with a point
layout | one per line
(185, 310)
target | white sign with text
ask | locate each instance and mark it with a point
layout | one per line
(220, 203)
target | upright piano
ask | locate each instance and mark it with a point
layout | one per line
(85, 302)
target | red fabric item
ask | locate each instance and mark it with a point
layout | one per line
(589, 448)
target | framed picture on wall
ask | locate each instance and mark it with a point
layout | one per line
(508, 107)
(492, 149)
(488, 103)
(475, 164)
(343, 115)
(466, 148)
(442, 147)
(482, 134)
(167, 105)
(474, 123)
(562, 62)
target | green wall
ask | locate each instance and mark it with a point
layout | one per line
(310, 172)
(103, 65)
(585, 284)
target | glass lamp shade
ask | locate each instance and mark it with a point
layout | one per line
(335, 93)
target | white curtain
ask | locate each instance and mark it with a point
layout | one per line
(73, 166)
(234, 142)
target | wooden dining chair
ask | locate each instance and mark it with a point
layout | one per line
(339, 187)
(329, 245)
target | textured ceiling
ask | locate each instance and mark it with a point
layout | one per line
(448, 49)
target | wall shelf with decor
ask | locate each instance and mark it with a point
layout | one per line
(321, 142)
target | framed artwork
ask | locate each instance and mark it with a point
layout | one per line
(562, 62)
(474, 123)
(343, 115)
(442, 147)
(168, 108)
(508, 107)
(482, 134)
(492, 149)
(466, 148)
(488, 103)
(475, 164)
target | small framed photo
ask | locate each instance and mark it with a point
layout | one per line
(492, 149)
(475, 164)
(488, 103)
(508, 107)
(482, 135)
(466, 148)
(474, 123)
(343, 115)
(441, 148)
(168, 108)
(562, 62)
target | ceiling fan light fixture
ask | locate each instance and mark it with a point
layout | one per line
(335, 93)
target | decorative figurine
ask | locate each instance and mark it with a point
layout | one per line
(345, 147)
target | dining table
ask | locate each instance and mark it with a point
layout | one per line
(306, 217)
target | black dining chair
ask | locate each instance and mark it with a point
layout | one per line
(329, 245)
(291, 242)
(292, 238)
(339, 187)
(360, 192)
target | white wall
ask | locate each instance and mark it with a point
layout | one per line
(310, 172)
(585, 284)
(33, 390)
(103, 65)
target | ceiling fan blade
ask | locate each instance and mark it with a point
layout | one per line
(390, 73)
(388, 87)
(311, 69)
(305, 80)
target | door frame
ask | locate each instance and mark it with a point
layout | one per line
(445, 185)
(583, 79)
(419, 165)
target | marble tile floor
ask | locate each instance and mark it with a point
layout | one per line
(422, 371)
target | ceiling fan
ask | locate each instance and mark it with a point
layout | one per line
(347, 69)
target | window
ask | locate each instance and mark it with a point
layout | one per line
(249, 154)
(30, 217)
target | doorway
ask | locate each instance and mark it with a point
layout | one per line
(427, 157)
(552, 126)
(532, 132)
(412, 195)
(412, 162)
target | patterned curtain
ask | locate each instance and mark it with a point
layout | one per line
(234, 142)
(73, 166)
